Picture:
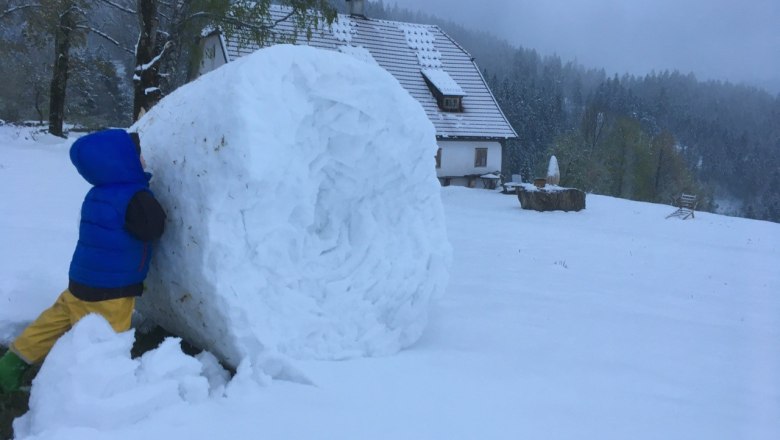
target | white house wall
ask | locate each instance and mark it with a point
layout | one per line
(457, 158)
(213, 54)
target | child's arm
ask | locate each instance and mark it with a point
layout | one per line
(145, 218)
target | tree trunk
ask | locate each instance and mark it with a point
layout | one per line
(146, 78)
(657, 186)
(59, 80)
(38, 100)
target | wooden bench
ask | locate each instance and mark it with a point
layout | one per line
(686, 205)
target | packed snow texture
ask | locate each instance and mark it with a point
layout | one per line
(304, 214)
(553, 173)
(90, 382)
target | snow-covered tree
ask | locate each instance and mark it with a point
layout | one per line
(170, 31)
(66, 23)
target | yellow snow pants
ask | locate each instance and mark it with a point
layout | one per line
(38, 338)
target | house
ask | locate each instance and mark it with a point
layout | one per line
(471, 129)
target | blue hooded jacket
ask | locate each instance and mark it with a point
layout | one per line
(107, 256)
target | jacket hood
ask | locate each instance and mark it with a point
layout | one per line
(107, 157)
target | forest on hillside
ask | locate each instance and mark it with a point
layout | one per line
(643, 138)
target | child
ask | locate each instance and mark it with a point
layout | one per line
(119, 219)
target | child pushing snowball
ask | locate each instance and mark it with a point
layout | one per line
(120, 218)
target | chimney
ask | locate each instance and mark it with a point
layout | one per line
(356, 8)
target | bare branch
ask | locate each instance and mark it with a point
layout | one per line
(235, 21)
(120, 7)
(105, 36)
(17, 8)
(290, 14)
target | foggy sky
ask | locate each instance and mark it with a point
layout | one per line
(734, 40)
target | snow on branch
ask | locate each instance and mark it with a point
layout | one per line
(120, 7)
(153, 61)
(17, 8)
(105, 36)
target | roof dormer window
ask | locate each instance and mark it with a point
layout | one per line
(447, 92)
(451, 103)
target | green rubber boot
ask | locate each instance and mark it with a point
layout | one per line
(12, 367)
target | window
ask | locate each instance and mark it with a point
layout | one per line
(450, 103)
(449, 95)
(480, 157)
(438, 158)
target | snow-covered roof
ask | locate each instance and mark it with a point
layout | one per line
(422, 42)
(411, 53)
(443, 81)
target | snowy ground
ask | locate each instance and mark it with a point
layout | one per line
(610, 323)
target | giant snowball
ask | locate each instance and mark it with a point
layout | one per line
(304, 214)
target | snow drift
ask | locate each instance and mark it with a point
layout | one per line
(304, 215)
(89, 381)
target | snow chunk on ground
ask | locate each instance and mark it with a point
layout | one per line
(89, 381)
(304, 214)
